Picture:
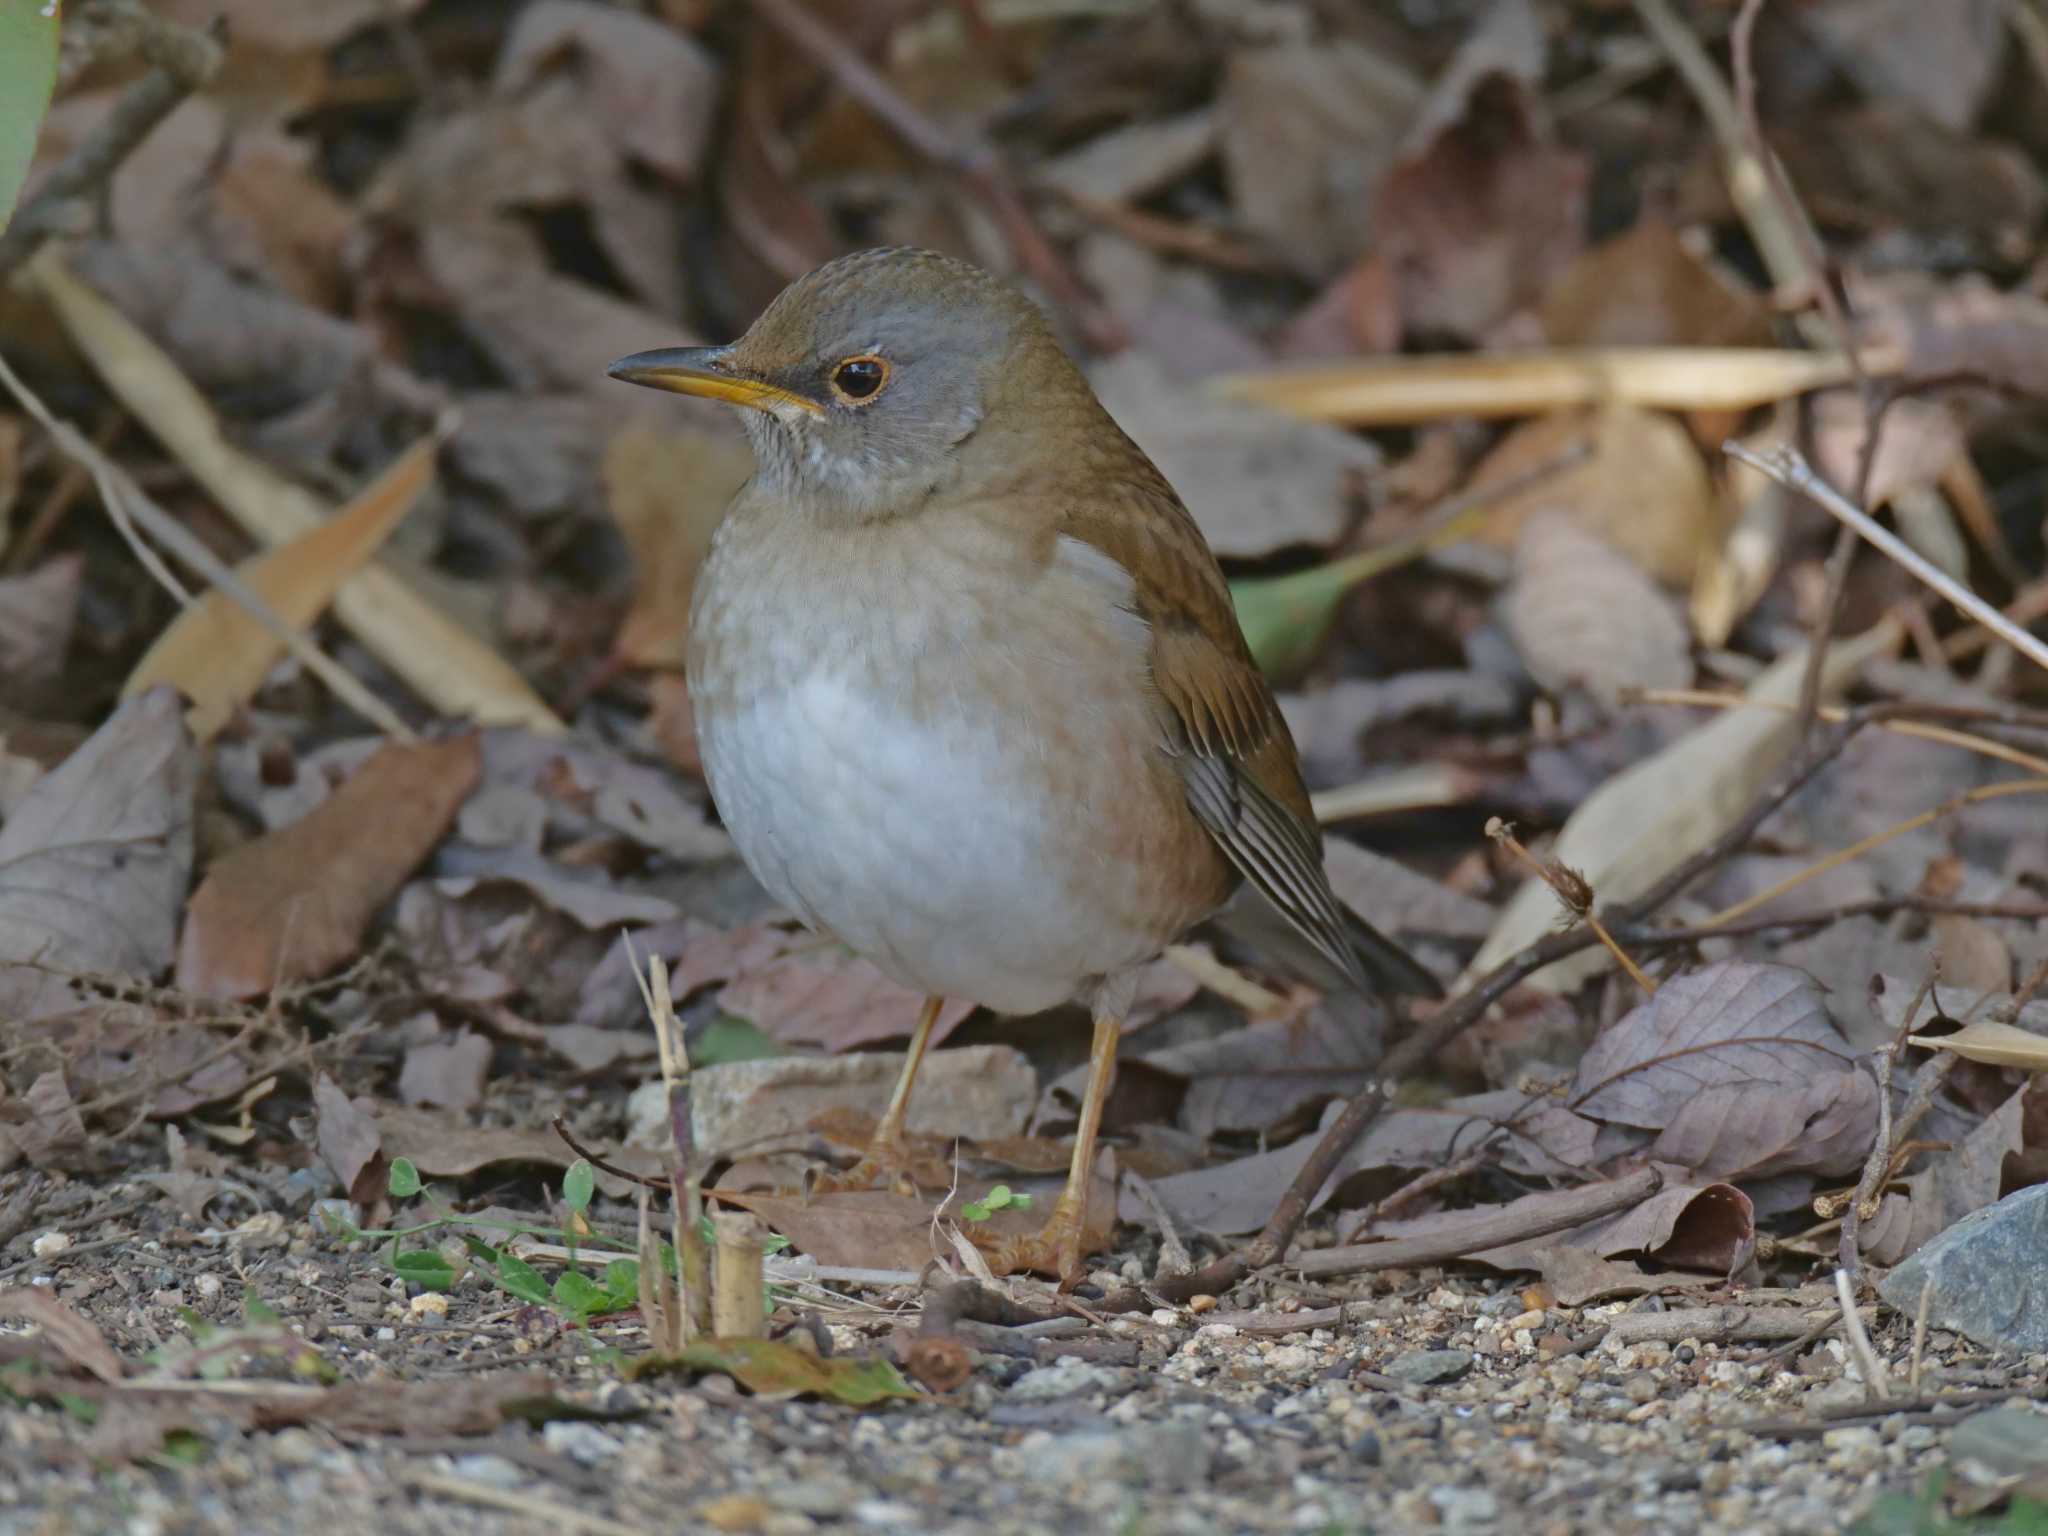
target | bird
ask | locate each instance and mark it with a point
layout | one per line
(970, 694)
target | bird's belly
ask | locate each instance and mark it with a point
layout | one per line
(937, 845)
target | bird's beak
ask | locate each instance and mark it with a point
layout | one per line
(706, 372)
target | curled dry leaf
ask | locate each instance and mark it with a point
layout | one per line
(1584, 615)
(348, 1139)
(37, 614)
(95, 860)
(1999, 1045)
(1690, 1225)
(294, 903)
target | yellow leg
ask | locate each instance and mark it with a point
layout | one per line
(1057, 1248)
(886, 1149)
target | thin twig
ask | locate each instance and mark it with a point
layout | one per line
(1920, 1317)
(1790, 469)
(1863, 1206)
(975, 161)
(1573, 893)
(124, 499)
(1876, 1383)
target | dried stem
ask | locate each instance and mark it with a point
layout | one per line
(1876, 1382)
(1573, 892)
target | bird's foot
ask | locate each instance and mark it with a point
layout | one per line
(883, 1166)
(1057, 1248)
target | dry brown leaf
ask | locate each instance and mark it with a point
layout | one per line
(443, 1145)
(649, 86)
(823, 993)
(1741, 1069)
(1943, 58)
(1583, 615)
(447, 1072)
(75, 1337)
(348, 1139)
(1644, 490)
(294, 903)
(1255, 480)
(1917, 441)
(667, 488)
(38, 612)
(95, 860)
(1307, 131)
(1646, 288)
(1482, 210)
(1648, 818)
(1696, 1226)
(1948, 1187)
(217, 654)
(455, 673)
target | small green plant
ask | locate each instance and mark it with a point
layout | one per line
(1001, 1198)
(1922, 1514)
(574, 1295)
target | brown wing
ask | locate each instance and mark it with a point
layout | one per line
(1222, 725)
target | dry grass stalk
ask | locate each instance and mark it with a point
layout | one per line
(739, 1292)
(1575, 894)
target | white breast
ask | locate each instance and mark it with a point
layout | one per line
(885, 776)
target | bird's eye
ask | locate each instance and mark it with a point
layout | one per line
(857, 380)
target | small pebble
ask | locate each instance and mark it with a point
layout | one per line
(428, 1304)
(1200, 1304)
(50, 1244)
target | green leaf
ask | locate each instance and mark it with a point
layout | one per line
(481, 1250)
(578, 1184)
(729, 1039)
(424, 1268)
(405, 1179)
(576, 1293)
(521, 1279)
(998, 1197)
(258, 1311)
(977, 1210)
(771, 1368)
(28, 73)
(622, 1283)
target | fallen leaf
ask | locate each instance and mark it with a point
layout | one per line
(1577, 1277)
(819, 991)
(45, 1126)
(37, 615)
(1307, 130)
(95, 860)
(667, 489)
(1918, 439)
(1584, 615)
(1644, 490)
(1648, 818)
(1134, 160)
(1647, 288)
(75, 1337)
(1949, 1186)
(1255, 480)
(348, 1139)
(1941, 58)
(1252, 1079)
(295, 903)
(217, 654)
(772, 1369)
(647, 84)
(448, 1073)
(1482, 210)
(588, 896)
(1820, 1124)
(2001, 1045)
(1735, 1023)
(442, 1145)
(1697, 1226)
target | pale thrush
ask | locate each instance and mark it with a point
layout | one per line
(969, 690)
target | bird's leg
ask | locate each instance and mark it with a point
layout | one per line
(1058, 1246)
(885, 1150)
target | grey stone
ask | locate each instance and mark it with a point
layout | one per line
(828, 1497)
(580, 1442)
(1989, 1281)
(491, 1471)
(1066, 1378)
(977, 1091)
(1430, 1367)
(2013, 1441)
(1158, 1456)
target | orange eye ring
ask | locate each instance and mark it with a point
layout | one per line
(859, 380)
